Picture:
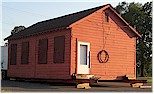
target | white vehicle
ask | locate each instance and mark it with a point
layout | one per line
(4, 61)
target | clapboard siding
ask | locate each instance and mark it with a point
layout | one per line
(35, 70)
(120, 46)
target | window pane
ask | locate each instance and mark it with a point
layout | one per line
(106, 17)
(83, 54)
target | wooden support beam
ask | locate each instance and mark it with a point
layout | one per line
(83, 76)
(83, 86)
(131, 77)
(137, 84)
(145, 87)
(57, 80)
(12, 79)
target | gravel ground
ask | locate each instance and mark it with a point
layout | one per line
(21, 86)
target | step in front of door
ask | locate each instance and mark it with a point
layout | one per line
(84, 76)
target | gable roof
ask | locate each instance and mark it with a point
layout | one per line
(60, 22)
(125, 21)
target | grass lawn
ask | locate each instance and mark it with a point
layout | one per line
(149, 79)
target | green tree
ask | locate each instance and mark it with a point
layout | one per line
(140, 17)
(17, 29)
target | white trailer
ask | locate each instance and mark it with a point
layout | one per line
(4, 61)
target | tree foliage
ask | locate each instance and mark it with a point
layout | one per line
(140, 17)
(17, 29)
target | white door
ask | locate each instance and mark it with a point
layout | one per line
(83, 58)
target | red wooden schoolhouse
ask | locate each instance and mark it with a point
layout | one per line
(96, 41)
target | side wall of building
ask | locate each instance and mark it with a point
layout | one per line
(112, 36)
(35, 70)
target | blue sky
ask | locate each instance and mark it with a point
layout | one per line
(28, 12)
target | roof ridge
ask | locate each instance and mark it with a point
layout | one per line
(70, 14)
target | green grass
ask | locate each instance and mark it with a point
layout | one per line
(149, 79)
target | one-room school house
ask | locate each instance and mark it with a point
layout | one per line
(96, 41)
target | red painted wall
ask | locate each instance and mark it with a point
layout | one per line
(119, 44)
(35, 70)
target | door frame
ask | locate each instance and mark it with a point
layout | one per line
(88, 57)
